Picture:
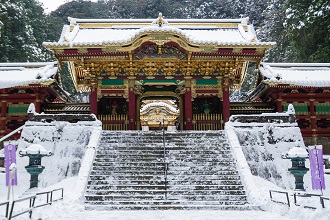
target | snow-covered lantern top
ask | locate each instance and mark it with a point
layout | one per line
(296, 152)
(35, 148)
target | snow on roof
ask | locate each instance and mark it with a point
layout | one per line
(18, 74)
(300, 74)
(198, 31)
(78, 20)
(159, 104)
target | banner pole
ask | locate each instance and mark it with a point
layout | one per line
(318, 168)
(8, 195)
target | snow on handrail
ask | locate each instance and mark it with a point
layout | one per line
(11, 133)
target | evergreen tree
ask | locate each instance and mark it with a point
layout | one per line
(272, 29)
(22, 32)
(308, 26)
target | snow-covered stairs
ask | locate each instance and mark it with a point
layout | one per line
(128, 172)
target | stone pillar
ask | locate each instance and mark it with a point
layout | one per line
(225, 99)
(131, 106)
(93, 99)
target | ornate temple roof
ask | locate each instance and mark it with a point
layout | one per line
(107, 32)
(23, 74)
(298, 74)
(286, 75)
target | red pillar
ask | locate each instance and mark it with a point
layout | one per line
(279, 103)
(313, 118)
(225, 100)
(3, 117)
(93, 100)
(188, 109)
(37, 102)
(131, 109)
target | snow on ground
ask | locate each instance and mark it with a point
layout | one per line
(78, 144)
(74, 209)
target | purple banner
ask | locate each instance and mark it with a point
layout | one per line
(316, 165)
(10, 158)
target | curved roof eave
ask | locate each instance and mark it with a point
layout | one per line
(68, 38)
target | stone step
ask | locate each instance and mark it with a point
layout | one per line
(161, 177)
(126, 187)
(129, 163)
(170, 171)
(167, 202)
(169, 197)
(162, 181)
(176, 148)
(146, 156)
(121, 180)
(156, 158)
(100, 159)
(176, 193)
(160, 140)
(126, 182)
(162, 187)
(160, 172)
(130, 168)
(172, 163)
(171, 207)
(123, 197)
(172, 134)
(160, 153)
(146, 148)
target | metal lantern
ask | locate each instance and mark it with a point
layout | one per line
(298, 156)
(35, 152)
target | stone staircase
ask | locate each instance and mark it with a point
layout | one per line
(129, 172)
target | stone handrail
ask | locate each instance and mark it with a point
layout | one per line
(264, 118)
(73, 118)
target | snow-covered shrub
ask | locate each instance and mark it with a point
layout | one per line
(263, 145)
(67, 142)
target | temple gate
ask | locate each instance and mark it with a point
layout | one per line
(123, 62)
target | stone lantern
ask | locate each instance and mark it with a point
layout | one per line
(298, 156)
(35, 152)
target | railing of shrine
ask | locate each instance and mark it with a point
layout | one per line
(114, 122)
(207, 122)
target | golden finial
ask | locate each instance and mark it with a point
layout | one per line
(160, 21)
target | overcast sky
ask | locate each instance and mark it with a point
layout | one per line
(51, 5)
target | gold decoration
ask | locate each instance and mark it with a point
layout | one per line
(169, 68)
(82, 50)
(261, 50)
(237, 50)
(206, 68)
(150, 68)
